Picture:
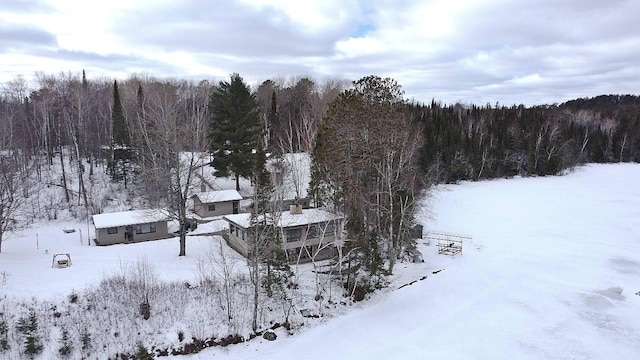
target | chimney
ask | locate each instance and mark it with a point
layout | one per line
(295, 209)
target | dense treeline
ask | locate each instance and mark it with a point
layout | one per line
(472, 142)
(137, 128)
(52, 110)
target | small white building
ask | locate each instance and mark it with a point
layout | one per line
(130, 226)
(305, 233)
(216, 203)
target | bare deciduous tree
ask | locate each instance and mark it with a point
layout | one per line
(16, 186)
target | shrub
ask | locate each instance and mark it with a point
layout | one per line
(65, 344)
(143, 353)
(269, 335)
(4, 333)
(29, 328)
(85, 340)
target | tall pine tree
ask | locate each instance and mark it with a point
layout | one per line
(273, 120)
(234, 128)
(120, 139)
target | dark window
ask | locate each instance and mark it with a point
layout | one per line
(314, 231)
(330, 230)
(294, 235)
(212, 207)
(112, 230)
(293, 253)
(145, 228)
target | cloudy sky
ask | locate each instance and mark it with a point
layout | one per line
(473, 51)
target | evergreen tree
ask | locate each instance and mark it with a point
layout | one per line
(85, 340)
(262, 229)
(119, 132)
(120, 139)
(366, 152)
(65, 344)
(143, 353)
(4, 333)
(29, 327)
(273, 120)
(262, 181)
(234, 128)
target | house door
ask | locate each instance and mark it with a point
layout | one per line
(236, 205)
(128, 233)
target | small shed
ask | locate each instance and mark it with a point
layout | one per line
(416, 231)
(131, 226)
(216, 203)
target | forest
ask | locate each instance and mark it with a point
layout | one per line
(373, 151)
(374, 155)
(460, 142)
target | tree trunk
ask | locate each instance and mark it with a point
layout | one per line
(64, 175)
(183, 241)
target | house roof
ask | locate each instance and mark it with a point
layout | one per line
(133, 217)
(218, 196)
(308, 216)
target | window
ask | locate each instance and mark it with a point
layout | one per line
(112, 230)
(145, 228)
(330, 230)
(294, 235)
(292, 254)
(314, 231)
(212, 207)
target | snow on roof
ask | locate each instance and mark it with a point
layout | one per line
(133, 217)
(308, 216)
(218, 196)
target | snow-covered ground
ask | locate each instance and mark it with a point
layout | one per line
(26, 260)
(552, 272)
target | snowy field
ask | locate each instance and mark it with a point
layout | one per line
(552, 272)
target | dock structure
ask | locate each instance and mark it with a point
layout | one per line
(447, 243)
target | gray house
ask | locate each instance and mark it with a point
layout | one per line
(216, 203)
(130, 226)
(306, 233)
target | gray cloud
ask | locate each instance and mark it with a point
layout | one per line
(224, 27)
(522, 51)
(24, 37)
(24, 6)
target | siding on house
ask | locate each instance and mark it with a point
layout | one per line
(225, 202)
(130, 226)
(311, 231)
(120, 237)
